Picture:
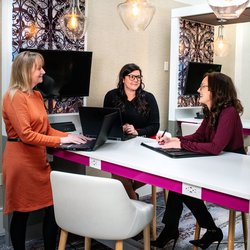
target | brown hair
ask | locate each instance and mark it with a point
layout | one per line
(224, 94)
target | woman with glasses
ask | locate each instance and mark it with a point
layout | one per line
(139, 109)
(221, 130)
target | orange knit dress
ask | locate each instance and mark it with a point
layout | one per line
(26, 171)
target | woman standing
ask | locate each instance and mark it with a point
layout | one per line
(221, 130)
(26, 171)
(139, 109)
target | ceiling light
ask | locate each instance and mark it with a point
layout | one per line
(228, 9)
(136, 14)
(221, 45)
(73, 22)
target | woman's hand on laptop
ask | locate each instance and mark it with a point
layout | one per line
(74, 138)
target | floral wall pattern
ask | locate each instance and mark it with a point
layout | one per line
(196, 45)
(35, 25)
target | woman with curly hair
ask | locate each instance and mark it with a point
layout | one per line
(139, 109)
(221, 130)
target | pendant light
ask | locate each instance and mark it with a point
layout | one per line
(73, 22)
(228, 9)
(221, 45)
(136, 14)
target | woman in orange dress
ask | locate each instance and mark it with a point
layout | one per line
(26, 170)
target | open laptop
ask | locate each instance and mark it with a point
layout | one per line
(91, 118)
(173, 152)
(94, 143)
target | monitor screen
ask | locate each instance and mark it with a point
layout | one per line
(67, 73)
(195, 74)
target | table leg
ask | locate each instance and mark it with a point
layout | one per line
(154, 218)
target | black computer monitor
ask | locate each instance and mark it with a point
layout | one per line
(67, 73)
(195, 74)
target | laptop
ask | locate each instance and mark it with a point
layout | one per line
(94, 143)
(91, 118)
(172, 152)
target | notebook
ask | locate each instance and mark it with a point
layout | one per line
(172, 152)
(91, 118)
(94, 143)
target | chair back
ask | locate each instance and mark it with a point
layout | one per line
(189, 128)
(94, 207)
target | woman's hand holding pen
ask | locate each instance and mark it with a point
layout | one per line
(172, 143)
(162, 138)
(74, 138)
(168, 142)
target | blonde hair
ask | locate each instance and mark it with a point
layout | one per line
(21, 70)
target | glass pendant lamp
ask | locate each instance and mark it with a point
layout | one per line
(221, 45)
(228, 9)
(73, 22)
(136, 14)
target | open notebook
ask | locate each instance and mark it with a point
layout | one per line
(171, 152)
(94, 143)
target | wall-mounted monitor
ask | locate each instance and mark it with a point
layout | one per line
(195, 74)
(67, 73)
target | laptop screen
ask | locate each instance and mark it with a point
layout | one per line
(91, 120)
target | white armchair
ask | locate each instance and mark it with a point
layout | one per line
(97, 207)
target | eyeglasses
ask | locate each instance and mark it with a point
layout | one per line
(203, 86)
(134, 77)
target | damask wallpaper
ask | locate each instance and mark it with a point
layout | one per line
(196, 45)
(35, 25)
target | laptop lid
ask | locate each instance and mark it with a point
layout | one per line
(91, 118)
(99, 140)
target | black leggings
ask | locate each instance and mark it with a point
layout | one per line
(18, 229)
(174, 209)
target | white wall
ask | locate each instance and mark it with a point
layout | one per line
(236, 63)
(242, 66)
(113, 46)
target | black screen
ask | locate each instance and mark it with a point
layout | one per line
(67, 73)
(195, 74)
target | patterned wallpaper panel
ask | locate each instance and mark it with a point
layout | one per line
(196, 45)
(35, 25)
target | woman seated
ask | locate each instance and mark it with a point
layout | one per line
(139, 109)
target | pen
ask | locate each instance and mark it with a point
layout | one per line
(164, 133)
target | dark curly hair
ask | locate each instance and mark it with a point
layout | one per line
(139, 100)
(223, 95)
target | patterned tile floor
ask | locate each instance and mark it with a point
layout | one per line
(186, 228)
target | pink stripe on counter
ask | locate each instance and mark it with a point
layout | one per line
(151, 179)
(225, 200)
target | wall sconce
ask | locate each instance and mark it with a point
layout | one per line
(73, 22)
(221, 45)
(228, 9)
(136, 14)
(30, 30)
